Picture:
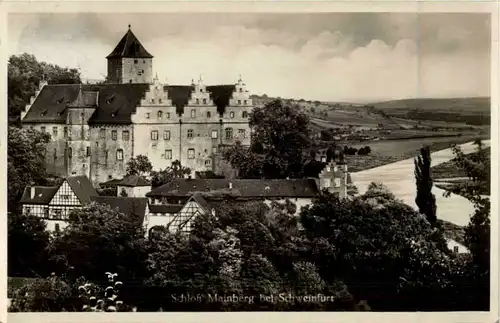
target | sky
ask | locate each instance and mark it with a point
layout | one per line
(340, 57)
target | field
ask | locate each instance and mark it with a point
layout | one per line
(450, 170)
(388, 151)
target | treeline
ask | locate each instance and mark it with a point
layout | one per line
(475, 120)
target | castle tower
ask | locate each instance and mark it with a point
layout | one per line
(130, 62)
(77, 132)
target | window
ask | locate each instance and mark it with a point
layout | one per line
(70, 152)
(244, 114)
(214, 150)
(229, 133)
(57, 214)
(54, 131)
(135, 61)
(43, 129)
(168, 115)
(231, 114)
(204, 101)
(245, 102)
(119, 154)
(28, 210)
(114, 134)
(337, 182)
(208, 162)
(214, 134)
(241, 89)
(190, 133)
(197, 101)
(239, 102)
(209, 115)
(55, 154)
(88, 151)
(190, 153)
(327, 183)
(102, 133)
(46, 212)
(193, 113)
(455, 249)
(160, 114)
(57, 227)
(154, 135)
(69, 132)
(125, 135)
(168, 154)
(241, 133)
(65, 197)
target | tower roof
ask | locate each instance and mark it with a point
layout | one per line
(129, 47)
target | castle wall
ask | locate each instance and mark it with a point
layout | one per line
(110, 152)
(115, 74)
(136, 70)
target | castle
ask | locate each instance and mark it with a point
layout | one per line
(97, 129)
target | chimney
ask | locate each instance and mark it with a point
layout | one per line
(32, 192)
(230, 185)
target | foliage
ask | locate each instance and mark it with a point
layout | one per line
(98, 238)
(425, 200)
(27, 246)
(477, 233)
(139, 165)
(123, 193)
(107, 191)
(280, 135)
(364, 150)
(24, 74)
(25, 162)
(96, 299)
(163, 176)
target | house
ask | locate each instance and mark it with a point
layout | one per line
(97, 128)
(136, 207)
(130, 185)
(175, 204)
(54, 204)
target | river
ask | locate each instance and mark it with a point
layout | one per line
(399, 178)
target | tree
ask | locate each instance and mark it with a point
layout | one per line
(25, 162)
(425, 200)
(112, 240)
(282, 134)
(161, 177)
(24, 74)
(27, 246)
(139, 165)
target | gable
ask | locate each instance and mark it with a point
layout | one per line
(65, 196)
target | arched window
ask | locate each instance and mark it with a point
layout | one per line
(209, 115)
(241, 89)
(160, 114)
(204, 101)
(229, 133)
(193, 113)
(119, 154)
(197, 101)
(244, 114)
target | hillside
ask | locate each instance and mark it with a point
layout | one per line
(470, 111)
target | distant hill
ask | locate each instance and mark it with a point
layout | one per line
(472, 111)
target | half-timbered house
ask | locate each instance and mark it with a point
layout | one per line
(54, 204)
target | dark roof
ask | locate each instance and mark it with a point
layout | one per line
(133, 181)
(43, 195)
(112, 183)
(129, 47)
(201, 202)
(115, 102)
(134, 206)
(250, 188)
(165, 208)
(82, 187)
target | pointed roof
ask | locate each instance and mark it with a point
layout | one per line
(82, 187)
(129, 47)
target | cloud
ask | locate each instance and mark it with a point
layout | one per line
(336, 57)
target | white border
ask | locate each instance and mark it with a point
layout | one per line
(118, 6)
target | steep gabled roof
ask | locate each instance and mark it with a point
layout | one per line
(43, 195)
(113, 103)
(133, 206)
(129, 47)
(246, 188)
(82, 187)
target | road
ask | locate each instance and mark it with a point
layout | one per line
(399, 178)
